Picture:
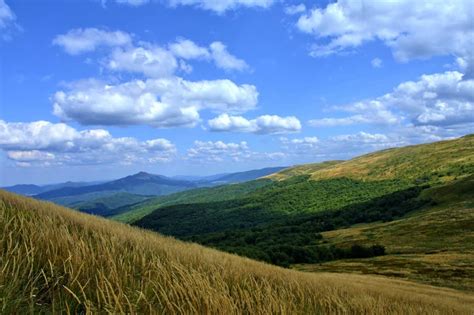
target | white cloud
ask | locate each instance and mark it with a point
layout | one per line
(163, 102)
(366, 112)
(266, 124)
(218, 151)
(46, 143)
(30, 156)
(187, 49)
(443, 99)
(300, 144)
(413, 29)
(376, 63)
(295, 9)
(309, 149)
(78, 41)
(221, 6)
(153, 61)
(145, 58)
(224, 60)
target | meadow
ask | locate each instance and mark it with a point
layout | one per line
(56, 260)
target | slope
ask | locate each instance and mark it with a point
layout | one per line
(56, 260)
(435, 245)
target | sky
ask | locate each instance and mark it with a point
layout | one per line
(96, 90)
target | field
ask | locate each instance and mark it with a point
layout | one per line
(56, 260)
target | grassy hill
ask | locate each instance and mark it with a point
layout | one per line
(438, 161)
(57, 260)
(434, 245)
(288, 219)
(329, 185)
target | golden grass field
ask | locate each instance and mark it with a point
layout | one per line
(56, 260)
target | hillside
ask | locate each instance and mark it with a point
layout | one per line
(333, 184)
(57, 260)
(434, 245)
(437, 161)
(287, 221)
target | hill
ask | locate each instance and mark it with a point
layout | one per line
(436, 162)
(328, 185)
(286, 221)
(54, 260)
(434, 245)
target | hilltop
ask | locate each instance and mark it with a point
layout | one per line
(57, 260)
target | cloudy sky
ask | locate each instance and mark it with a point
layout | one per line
(100, 89)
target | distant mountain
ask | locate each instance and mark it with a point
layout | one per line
(244, 176)
(230, 178)
(192, 178)
(24, 189)
(141, 184)
(30, 189)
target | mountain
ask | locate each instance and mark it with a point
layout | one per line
(24, 189)
(141, 183)
(240, 176)
(55, 260)
(230, 178)
(29, 189)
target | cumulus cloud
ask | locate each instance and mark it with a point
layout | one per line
(412, 29)
(224, 60)
(266, 124)
(169, 102)
(46, 143)
(78, 41)
(218, 151)
(300, 146)
(187, 49)
(442, 99)
(220, 6)
(340, 146)
(153, 61)
(149, 59)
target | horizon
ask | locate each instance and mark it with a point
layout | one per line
(197, 88)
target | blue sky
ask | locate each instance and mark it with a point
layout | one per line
(100, 89)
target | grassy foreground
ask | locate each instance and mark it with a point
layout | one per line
(57, 260)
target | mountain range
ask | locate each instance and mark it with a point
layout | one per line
(109, 198)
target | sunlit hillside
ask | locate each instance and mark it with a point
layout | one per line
(57, 260)
(439, 160)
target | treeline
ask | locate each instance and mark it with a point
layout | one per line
(297, 239)
(286, 255)
(295, 197)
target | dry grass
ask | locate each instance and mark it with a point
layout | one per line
(56, 260)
